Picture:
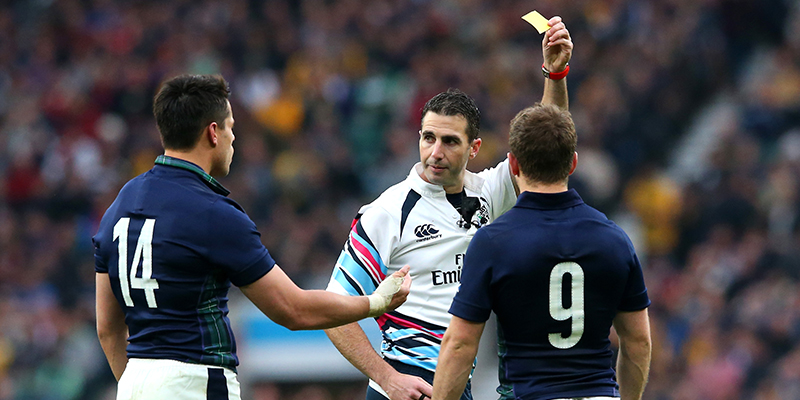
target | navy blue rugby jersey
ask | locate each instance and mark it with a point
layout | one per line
(172, 243)
(556, 272)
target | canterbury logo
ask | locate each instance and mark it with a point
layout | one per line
(425, 230)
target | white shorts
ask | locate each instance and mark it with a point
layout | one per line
(151, 379)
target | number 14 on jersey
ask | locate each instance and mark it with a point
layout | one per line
(143, 254)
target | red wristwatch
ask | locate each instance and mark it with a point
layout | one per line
(555, 75)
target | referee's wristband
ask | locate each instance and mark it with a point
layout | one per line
(555, 75)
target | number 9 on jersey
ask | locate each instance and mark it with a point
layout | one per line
(575, 312)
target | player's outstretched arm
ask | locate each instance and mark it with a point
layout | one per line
(633, 362)
(556, 51)
(282, 301)
(111, 328)
(352, 342)
(459, 348)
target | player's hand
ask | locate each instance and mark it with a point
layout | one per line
(406, 387)
(556, 45)
(402, 294)
(391, 293)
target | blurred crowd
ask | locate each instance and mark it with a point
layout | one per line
(327, 98)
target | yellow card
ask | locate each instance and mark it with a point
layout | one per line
(537, 20)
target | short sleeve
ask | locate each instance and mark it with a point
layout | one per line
(635, 297)
(498, 188)
(473, 300)
(361, 267)
(99, 264)
(235, 244)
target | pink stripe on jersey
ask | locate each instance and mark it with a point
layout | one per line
(372, 264)
(404, 323)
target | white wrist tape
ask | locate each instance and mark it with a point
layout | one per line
(379, 299)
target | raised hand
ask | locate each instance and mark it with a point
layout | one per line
(556, 45)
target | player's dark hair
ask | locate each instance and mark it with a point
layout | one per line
(186, 104)
(455, 102)
(543, 140)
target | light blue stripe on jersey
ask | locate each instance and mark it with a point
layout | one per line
(407, 333)
(374, 253)
(427, 351)
(356, 272)
(430, 365)
(422, 354)
(338, 275)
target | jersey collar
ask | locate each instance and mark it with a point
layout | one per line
(549, 201)
(472, 183)
(183, 164)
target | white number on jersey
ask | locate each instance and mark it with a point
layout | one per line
(575, 311)
(143, 254)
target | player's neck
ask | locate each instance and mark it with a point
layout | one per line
(192, 156)
(538, 187)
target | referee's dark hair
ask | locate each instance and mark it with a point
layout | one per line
(186, 104)
(455, 102)
(543, 139)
